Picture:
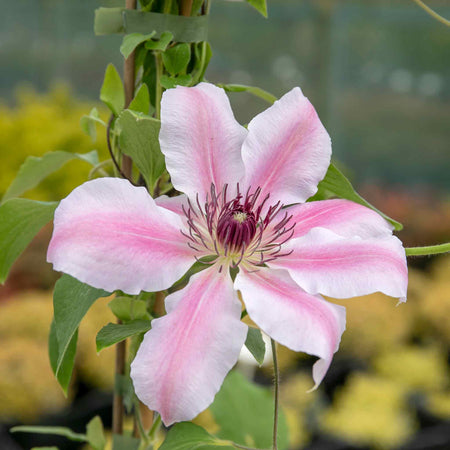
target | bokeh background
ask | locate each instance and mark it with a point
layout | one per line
(378, 72)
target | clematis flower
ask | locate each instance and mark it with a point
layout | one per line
(243, 207)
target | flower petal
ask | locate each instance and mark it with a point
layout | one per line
(287, 150)
(200, 139)
(292, 317)
(343, 217)
(184, 358)
(112, 235)
(323, 262)
(174, 204)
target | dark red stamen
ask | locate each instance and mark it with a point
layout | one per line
(236, 226)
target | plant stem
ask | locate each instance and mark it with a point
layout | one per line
(186, 7)
(429, 250)
(159, 72)
(155, 427)
(118, 410)
(276, 373)
(128, 84)
(432, 13)
(138, 420)
(126, 169)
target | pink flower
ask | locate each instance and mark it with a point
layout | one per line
(237, 182)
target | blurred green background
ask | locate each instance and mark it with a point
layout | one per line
(378, 73)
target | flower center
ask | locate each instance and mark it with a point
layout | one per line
(237, 230)
(236, 227)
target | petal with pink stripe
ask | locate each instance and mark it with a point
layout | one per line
(343, 217)
(200, 139)
(323, 262)
(185, 357)
(112, 235)
(292, 317)
(287, 150)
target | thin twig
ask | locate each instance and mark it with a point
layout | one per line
(276, 373)
(111, 152)
(432, 13)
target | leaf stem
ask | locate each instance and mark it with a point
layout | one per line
(137, 415)
(432, 13)
(276, 373)
(428, 250)
(243, 446)
(155, 426)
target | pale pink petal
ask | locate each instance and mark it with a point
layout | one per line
(323, 262)
(344, 217)
(287, 150)
(200, 139)
(292, 317)
(112, 235)
(184, 358)
(174, 204)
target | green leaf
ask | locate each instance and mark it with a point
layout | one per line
(112, 93)
(124, 387)
(114, 332)
(123, 442)
(95, 434)
(71, 301)
(20, 220)
(187, 436)
(128, 308)
(256, 91)
(35, 169)
(63, 373)
(139, 140)
(255, 344)
(88, 123)
(244, 413)
(59, 431)
(108, 20)
(171, 82)
(337, 184)
(141, 101)
(203, 54)
(259, 5)
(160, 44)
(131, 41)
(183, 29)
(176, 58)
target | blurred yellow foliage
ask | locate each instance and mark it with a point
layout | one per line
(422, 369)
(40, 123)
(24, 331)
(27, 385)
(296, 399)
(434, 304)
(370, 410)
(367, 332)
(438, 403)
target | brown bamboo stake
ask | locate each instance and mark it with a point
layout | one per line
(186, 7)
(127, 165)
(128, 81)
